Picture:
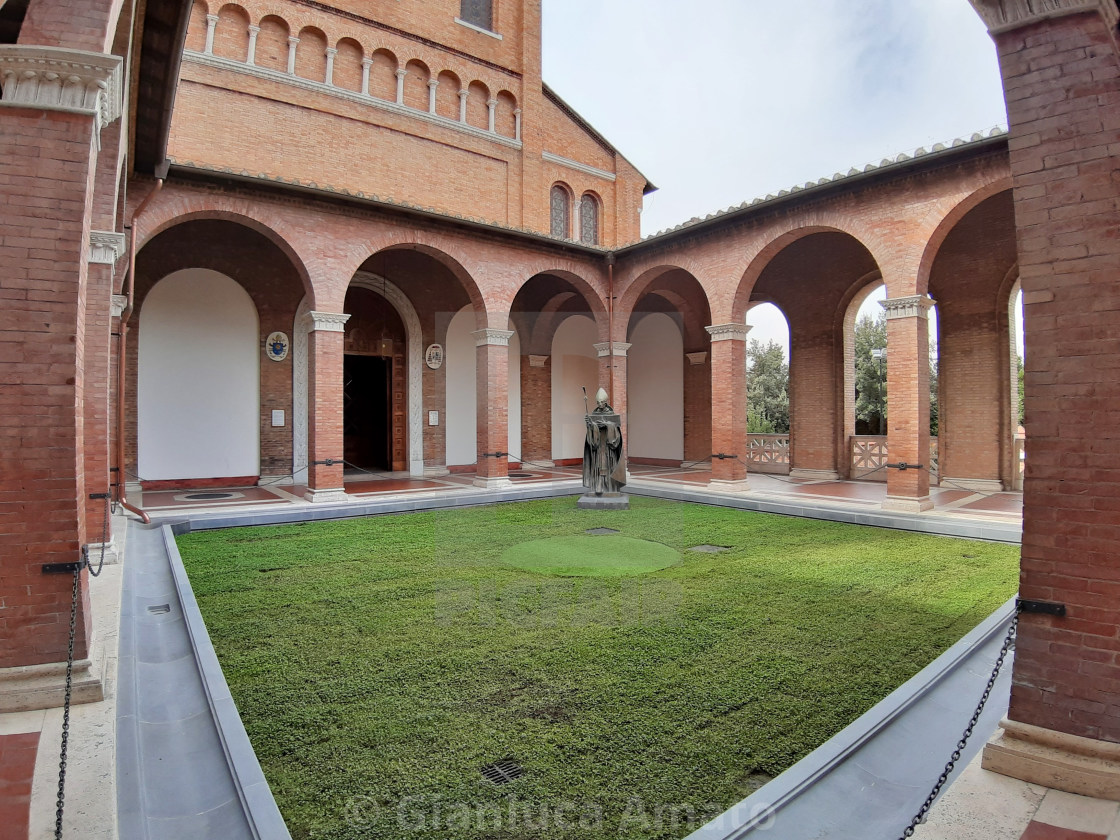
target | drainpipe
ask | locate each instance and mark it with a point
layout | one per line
(122, 347)
(610, 322)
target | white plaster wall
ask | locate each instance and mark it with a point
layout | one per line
(462, 423)
(461, 363)
(198, 379)
(655, 389)
(575, 365)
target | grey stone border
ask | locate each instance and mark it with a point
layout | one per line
(258, 804)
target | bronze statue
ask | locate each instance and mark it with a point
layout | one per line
(604, 464)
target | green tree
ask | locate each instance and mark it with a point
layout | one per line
(767, 388)
(933, 407)
(871, 373)
(1019, 359)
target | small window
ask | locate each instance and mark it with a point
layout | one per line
(478, 12)
(560, 212)
(589, 220)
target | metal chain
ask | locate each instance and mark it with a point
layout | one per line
(66, 706)
(1008, 643)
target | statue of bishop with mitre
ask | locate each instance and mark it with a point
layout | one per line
(604, 464)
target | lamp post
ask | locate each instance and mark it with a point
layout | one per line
(880, 355)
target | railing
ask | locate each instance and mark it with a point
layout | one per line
(768, 454)
(869, 455)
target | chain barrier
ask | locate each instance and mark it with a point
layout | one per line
(1008, 643)
(60, 801)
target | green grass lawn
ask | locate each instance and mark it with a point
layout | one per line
(380, 663)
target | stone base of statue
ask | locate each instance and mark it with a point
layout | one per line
(608, 501)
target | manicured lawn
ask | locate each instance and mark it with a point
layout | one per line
(380, 663)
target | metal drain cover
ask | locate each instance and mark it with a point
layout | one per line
(503, 772)
(600, 532)
(159, 609)
(520, 474)
(709, 549)
(201, 497)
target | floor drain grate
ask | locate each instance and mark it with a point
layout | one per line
(202, 497)
(600, 532)
(503, 772)
(709, 549)
(159, 609)
(521, 474)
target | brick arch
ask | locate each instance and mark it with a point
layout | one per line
(348, 64)
(766, 254)
(382, 74)
(311, 54)
(505, 122)
(551, 314)
(196, 27)
(949, 221)
(637, 288)
(447, 94)
(452, 264)
(176, 214)
(231, 36)
(478, 109)
(272, 43)
(416, 84)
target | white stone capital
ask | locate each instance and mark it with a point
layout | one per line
(538, 361)
(254, 29)
(728, 332)
(327, 321)
(911, 306)
(117, 305)
(212, 19)
(697, 358)
(367, 61)
(432, 83)
(293, 40)
(493, 338)
(1005, 15)
(54, 79)
(401, 72)
(106, 247)
(331, 52)
(603, 348)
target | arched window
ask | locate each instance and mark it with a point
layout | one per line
(478, 12)
(560, 212)
(589, 220)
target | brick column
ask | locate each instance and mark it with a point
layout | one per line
(617, 363)
(1061, 71)
(908, 402)
(492, 407)
(49, 140)
(729, 406)
(536, 410)
(324, 407)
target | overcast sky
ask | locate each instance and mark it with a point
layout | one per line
(720, 101)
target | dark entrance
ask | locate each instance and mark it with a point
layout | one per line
(366, 411)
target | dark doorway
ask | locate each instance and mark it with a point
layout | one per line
(366, 405)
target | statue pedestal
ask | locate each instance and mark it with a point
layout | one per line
(608, 501)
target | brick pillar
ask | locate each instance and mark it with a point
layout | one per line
(536, 410)
(48, 156)
(492, 407)
(729, 406)
(617, 364)
(813, 401)
(324, 407)
(1061, 74)
(908, 402)
(697, 407)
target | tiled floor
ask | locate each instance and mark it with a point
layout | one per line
(17, 768)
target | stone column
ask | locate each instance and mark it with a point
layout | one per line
(617, 362)
(331, 53)
(463, 93)
(908, 403)
(432, 85)
(401, 73)
(491, 108)
(367, 62)
(251, 54)
(517, 124)
(729, 406)
(1060, 68)
(536, 410)
(211, 25)
(492, 407)
(293, 42)
(324, 407)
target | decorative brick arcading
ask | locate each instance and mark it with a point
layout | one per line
(61, 80)
(728, 332)
(328, 321)
(106, 247)
(1004, 15)
(912, 306)
(497, 338)
(604, 348)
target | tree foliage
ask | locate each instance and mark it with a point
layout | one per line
(1019, 359)
(767, 388)
(871, 373)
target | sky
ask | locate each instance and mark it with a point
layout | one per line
(720, 101)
